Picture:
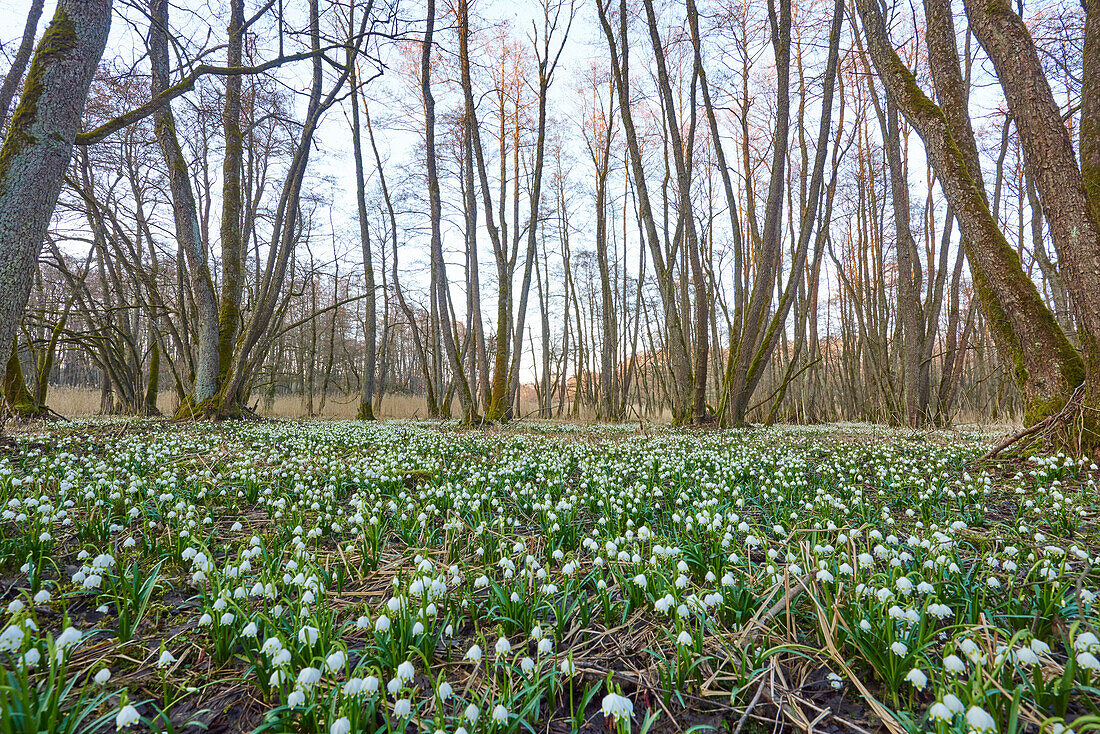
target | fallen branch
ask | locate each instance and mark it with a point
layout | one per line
(1071, 406)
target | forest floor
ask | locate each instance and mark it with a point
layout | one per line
(336, 577)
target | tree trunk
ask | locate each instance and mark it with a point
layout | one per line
(19, 63)
(37, 148)
(1045, 365)
(188, 233)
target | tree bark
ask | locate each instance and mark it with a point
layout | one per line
(1045, 365)
(37, 148)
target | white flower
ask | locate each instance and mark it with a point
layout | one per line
(474, 653)
(1025, 656)
(382, 623)
(353, 687)
(444, 691)
(899, 649)
(32, 657)
(500, 714)
(271, 646)
(503, 647)
(308, 677)
(471, 713)
(402, 708)
(954, 664)
(940, 712)
(616, 706)
(527, 665)
(295, 699)
(334, 663)
(952, 702)
(166, 659)
(308, 635)
(567, 667)
(406, 672)
(103, 676)
(68, 637)
(1088, 661)
(1086, 642)
(980, 720)
(684, 638)
(370, 684)
(127, 716)
(545, 646)
(917, 678)
(42, 597)
(250, 630)
(340, 726)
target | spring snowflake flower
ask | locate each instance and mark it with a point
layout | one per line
(954, 664)
(940, 611)
(334, 663)
(103, 676)
(370, 685)
(295, 699)
(1088, 661)
(684, 638)
(500, 714)
(166, 659)
(474, 653)
(980, 720)
(1086, 642)
(617, 707)
(917, 678)
(127, 716)
(42, 597)
(503, 647)
(308, 678)
(1025, 656)
(545, 646)
(68, 637)
(472, 714)
(952, 702)
(899, 648)
(340, 726)
(940, 712)
(640, 580)
(1039, 647)
(406, 672)
(567, 667)
(444, 691)
(382, 624)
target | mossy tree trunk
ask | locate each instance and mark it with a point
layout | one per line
(370, 337)
(188, 232)
(17, 398)
(232, 239)
(439, 271)
(1046, 366)
(1051, 163)
(37, 149)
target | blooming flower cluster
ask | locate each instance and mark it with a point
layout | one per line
(381, 576)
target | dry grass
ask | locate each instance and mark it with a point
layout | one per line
(78, 402)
